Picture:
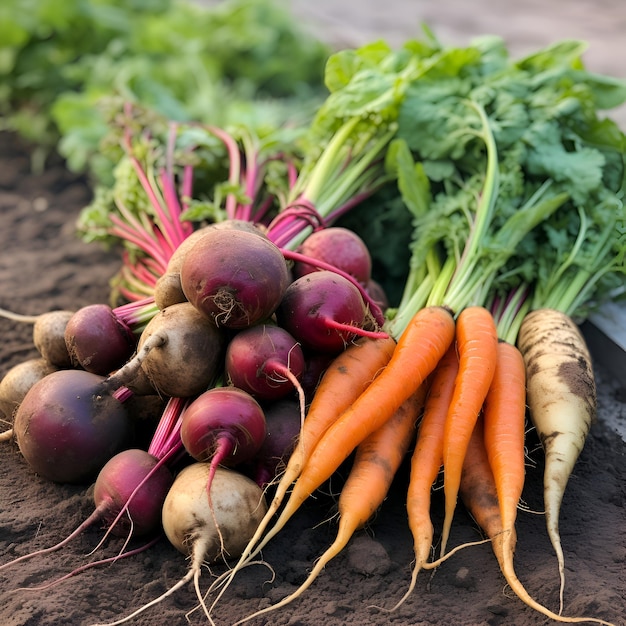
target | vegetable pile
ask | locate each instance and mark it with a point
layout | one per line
(399, 279)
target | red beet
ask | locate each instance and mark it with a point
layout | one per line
(339, 247)
(265, 360)
(237, 278)
(67, 428)
(323, 311)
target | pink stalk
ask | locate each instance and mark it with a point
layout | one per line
(292, 220)
(136, 314)
(167, 433)
(234, 173)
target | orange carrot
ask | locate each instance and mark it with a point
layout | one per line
(504, 414)
(477, 340)
(376, 462)
(350, 373)
(426, 462)
(479, 494)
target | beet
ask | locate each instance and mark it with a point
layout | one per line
(323, 311)
(97, 340)
(264, 360)
(339, 247)
(67, 429)
(224, 425)
(283, 428)
(235, 277)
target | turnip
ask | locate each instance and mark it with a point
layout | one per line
(98, 340)
(266, 361)
(324, 312)
(236, 278)
(180, 351)
(16, 383)
(67, 427)
(128, 495)
(207, 534)
(48, 334)
(340, 247)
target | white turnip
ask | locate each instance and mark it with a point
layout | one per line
(180, 351)
(16, 383)
(48, 334)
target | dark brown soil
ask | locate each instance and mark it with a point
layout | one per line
(44, 266)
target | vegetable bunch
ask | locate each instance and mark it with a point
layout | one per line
(514, 187)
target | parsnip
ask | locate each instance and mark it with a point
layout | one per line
(561, 397)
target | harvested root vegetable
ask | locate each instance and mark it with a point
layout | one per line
(223, 426)
(561, 396)
(67, 427)
(235, 277)
(16, 383)
(180, 351)
(48, 334)
(376, 462)
(340, 247)
(212, 534)
(168, 289)
(266, 361)
(325, 312)
(128, 496)
(49, 337)
(480, 496)
(98, 340)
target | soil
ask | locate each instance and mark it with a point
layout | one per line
(44, 266)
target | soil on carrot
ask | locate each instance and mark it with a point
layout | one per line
(44, 266)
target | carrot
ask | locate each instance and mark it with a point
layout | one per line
(376, 462)
(349, 374)
(426, 462)
(562, 403)
(504, 413)
(476, 340)
(479, 494)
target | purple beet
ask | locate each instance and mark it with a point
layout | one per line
(324, 311)
(67, 428)
(97, 340)
(264, 360)
(235, 277)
